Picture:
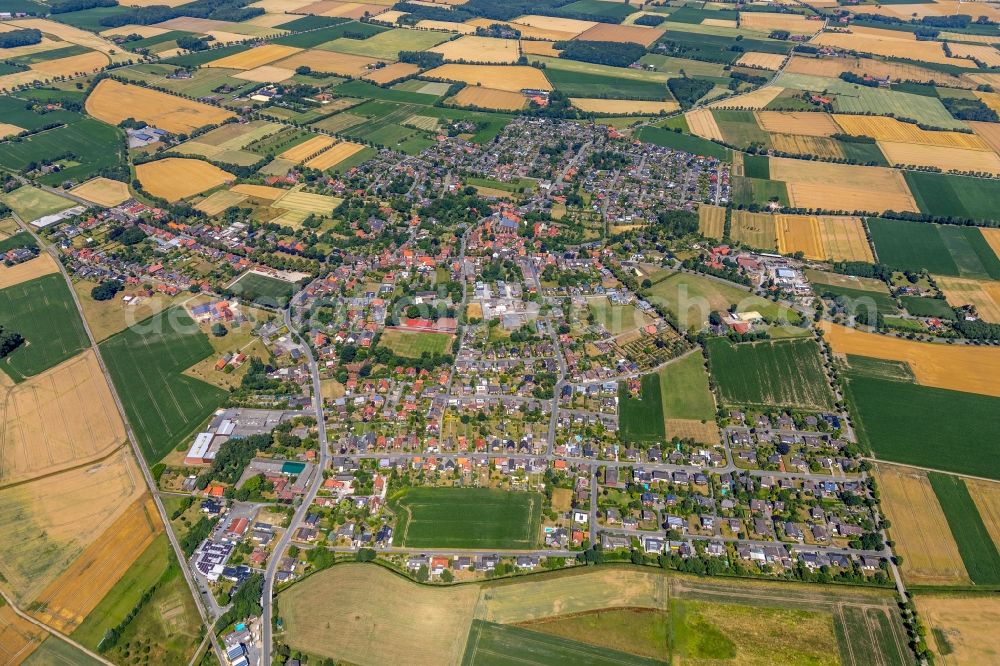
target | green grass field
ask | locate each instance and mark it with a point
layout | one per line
(685, 142)
(672, 66)
(388, 44)
(263, 289)
(920, 306)
(641, 420)
(582, 84)
(857, 300)
(685, 391)
(43, 312)
(612, 10)
(492, 644)
(413, 344)
(978, 551)
(616, 319)
(92, 145)
(31, 203)
(692, 298)
(946, 195)
(125, 594)
(466, 518)
(926, 426)
(940, 249)
(637, 631)
(56, 652)
(740, 129)
(146, 363)
(760, 191)
(756, 166)
(783, 373)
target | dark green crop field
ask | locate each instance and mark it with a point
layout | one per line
(941, 249)
(946, 195)
(926, 426)
(466, 518)
(146, 363)
(921, 306)
(685, 142)
(86, 146)
(978, 551)
(583, 84)
(783, 373)
(641, 420)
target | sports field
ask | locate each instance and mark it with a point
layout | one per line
(978, 550)
(466, 518)
(146, 363)
(641, 419)
(784, 373)
(413, 344)
(42, 311)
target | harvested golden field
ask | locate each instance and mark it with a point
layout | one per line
(419, 625)
(896, 71)
(703, 433)
(616, 106)
(306, 202)
(103, 191)
(471, 48)
(450, 26)
(986, 495)
(219, 201)
(6, 129)
(41, 265)
(984, 294)
(329, 62)
(536, 47)
(144, 31)
(56, 420)
(844, 239)
(334, 155)
(797, 144)
(755, 99)
(720, 23)
(797, 122)
(259, 191)
(18, 637)
(490, 98)
(513, 78)
(633, 34)
(389, 17)
(308, 149)
(964, 368)
(800, 233)
(70, 598)
(176, 178)
(349, 10)
(992, 236)
(823, 185)
(883, 128)
(255, 57)
(280, 6)
(988, 132)
(756, 230)
(990, 99)
(266, 74)
(797, 24)
(769, 61)
(113, 102)
(84, 63)
(389, 73)
(49, 522)
(919, 527)
(947, 159)
(890, 47)
(711, 220)
(983, 53)
(527, 31)
(563, 25)
(968, 624)
(702, 123)
(73, 35)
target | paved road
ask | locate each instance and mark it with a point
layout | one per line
(307, 500)
(150, 483)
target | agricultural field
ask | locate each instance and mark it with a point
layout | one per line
(688, 403)
(82, 148)
(466, 518)
(711, 221)
(606, 615)
(954, 196)
(37, 437)
(18, 637)
(641, 419)
(146, 363)
(823, 186)
(113, 102)
(103, 191)
(490, 98)
(979, 552)
(176, 178)
(52, 520)
(54, 651)
(31, 203)
(616, 319)
(948, 250)
(42, 311)
(784, 373)
(38, 267)
(983, 294)
(486, 50)
(513, 78)
(755, 230)
(919, 528)
(387, 45)
(962, 626)
(414, 344)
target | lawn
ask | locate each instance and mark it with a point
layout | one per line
(492, 644)
(466, 518)
(413, 344)
(946, 195)
(783, 373)
(641, 420)
(684, 389)
(123, 597)
(978, 551)
(686, 142)
(31, 203)
(146, 363)
(940, 249)
(43, 312)
(926, 426)
(263, 289)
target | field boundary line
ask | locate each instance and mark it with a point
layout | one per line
(929, 469)
(87, 463)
